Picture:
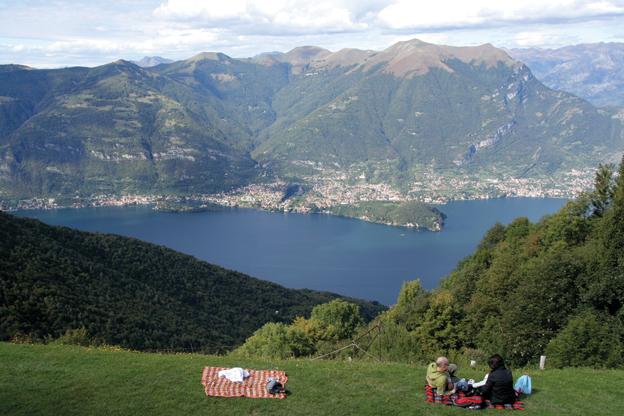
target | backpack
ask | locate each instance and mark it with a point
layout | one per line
(523, 385)
(274, 386)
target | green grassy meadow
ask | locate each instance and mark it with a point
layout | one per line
(68, 380)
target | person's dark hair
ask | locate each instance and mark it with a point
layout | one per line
(496, 361)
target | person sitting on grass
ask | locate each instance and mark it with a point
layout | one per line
(438, 376)
(460, 384)
(498, 388)
(452, 369)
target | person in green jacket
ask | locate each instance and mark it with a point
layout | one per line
(438, 376)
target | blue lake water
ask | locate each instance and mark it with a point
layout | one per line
(321, 252)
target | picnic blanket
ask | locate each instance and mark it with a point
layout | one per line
(460, 399)
(253, 386)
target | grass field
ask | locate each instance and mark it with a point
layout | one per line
(69, 380)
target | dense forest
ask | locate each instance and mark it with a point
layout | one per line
(555, 287)
(56, 281)
(406, 214)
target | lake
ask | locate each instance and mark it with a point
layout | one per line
(320, 252)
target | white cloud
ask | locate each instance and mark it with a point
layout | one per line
(190, 9)
(178, 39)
(292, 17)
(39, 32)
(82, 45)
(264, 16)
(167, 39)
(438, 14)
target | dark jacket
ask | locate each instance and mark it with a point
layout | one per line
(499, 386)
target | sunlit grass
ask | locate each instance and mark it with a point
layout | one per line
(68, 380)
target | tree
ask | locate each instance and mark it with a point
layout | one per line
(439, 331)
(570, 225)
(538, 308)
(589, 339)
(338, 318)
(277, 340)
(603, 189)
(411, 305)
(606, 283)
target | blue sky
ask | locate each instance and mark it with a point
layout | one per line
(60, 33)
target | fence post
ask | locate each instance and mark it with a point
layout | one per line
(542, 362)
(379, 336)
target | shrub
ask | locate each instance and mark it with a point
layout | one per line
(338, 318)
(590, 339)
(20, 338)
(396, 343)
(277, 340)
(79, 336)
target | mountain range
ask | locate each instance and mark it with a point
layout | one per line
(149, 61)
(592, 71)
(211, 123)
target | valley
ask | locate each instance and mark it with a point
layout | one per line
(332, 194)
(414, 122)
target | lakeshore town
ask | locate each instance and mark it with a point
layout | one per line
(320, 193)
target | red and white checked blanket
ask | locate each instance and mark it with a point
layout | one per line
(253, 386)
(459, 399)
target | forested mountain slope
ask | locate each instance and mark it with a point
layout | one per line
(555, 287)
(417, 106)
(130, 293)
(114, 129)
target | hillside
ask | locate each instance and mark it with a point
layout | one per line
(113, 129)
(37, 379)
(130, 293)
(554, 287)
(417, 107)
(593, 71)
(422, 120)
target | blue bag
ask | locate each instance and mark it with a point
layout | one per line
(523, 385)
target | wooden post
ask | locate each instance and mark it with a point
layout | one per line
(379, 336)
(542, 362)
